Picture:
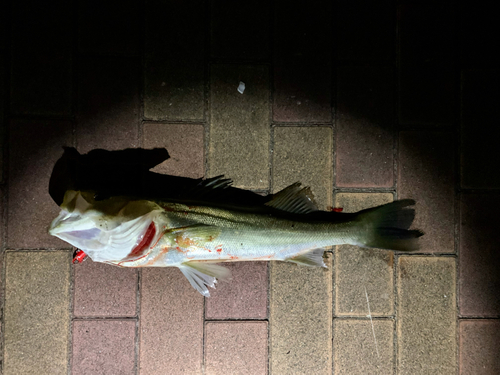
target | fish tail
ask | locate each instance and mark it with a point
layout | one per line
(387, 226)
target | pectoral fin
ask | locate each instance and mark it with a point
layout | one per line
(202, 274)
(313, 258)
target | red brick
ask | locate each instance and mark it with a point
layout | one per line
(479, 258)
(103, 347)
(365, 30)
(185, 144)
(479, 346)
(104, 28)
(236, 348)
(479, 149)
(426, 174)
(240, 30)
(34, 148)
(365, 118)
(302, 62)
(171, 324)
(242, 297)
(104, 290)
(108, 110)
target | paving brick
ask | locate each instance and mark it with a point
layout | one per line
(239, 126)
(365, 118)
(36, 320)
(185, 144)
(357, 352)
(426, 60)
(302, 62)
(103, 347)
(169, 304)
(365, 31)
(240, 30)
(3, 96)
(479, 259)
(173, 90)
(426, 31)
(300, 319)
(426, 174)
(479, 346)
(426, 326)
(175, 51)
(34, 148)
(41, 84)
(236, 348)
(357, 268)
(426, 96)
(108, 104)
(479, 143)
(304, 154)
(174, 29)
(104, 28)
(242, 297)
(479, 33)
(41, 76)
(103, 290)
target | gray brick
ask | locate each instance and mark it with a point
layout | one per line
(240, 30)
(357, 352)
(239, 128)
(426, 326)
(426, 174)
(173, 89)
(174, 51)
(302, 62)
(300, 319)
(357, 268)
(171, 324)
(36, 313)
(304, 154)
(365, 119)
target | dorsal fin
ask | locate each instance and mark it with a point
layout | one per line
(294, 199)
(210, 185)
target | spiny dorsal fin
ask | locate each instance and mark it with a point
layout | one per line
(313, 258)
(211, 184)
(294, 199)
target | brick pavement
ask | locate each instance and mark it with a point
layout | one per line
(366, 102)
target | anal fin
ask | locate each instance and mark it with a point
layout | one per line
(313, 258)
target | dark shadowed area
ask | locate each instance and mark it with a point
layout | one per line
(364, 101)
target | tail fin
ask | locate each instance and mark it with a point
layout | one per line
(386, 226)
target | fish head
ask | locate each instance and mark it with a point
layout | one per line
(106, 230)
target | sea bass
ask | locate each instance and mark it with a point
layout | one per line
(194, 236)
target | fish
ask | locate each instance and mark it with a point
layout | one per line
(196, 233)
